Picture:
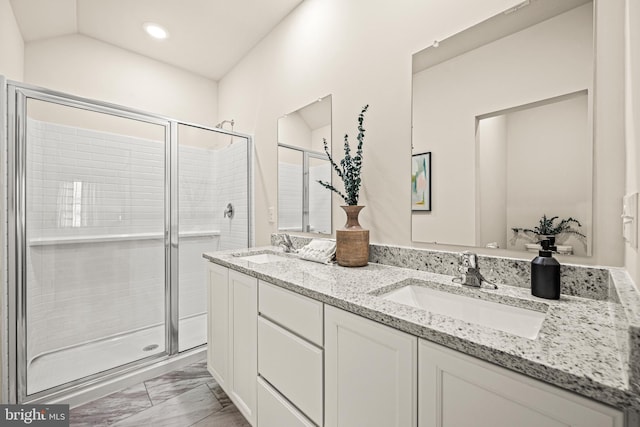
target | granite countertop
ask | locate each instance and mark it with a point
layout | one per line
(578, 348)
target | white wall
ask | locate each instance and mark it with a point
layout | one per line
(359, 52)
(293, 130)
(492, 181)
(608, 134)
(632, 118)
(11, 44)
(11, 67)
(86, 67)
(317, 136)
(550, 59)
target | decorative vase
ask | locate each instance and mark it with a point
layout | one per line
(352, 241)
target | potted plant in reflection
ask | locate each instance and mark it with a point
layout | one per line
(547, 229)
(352, 241)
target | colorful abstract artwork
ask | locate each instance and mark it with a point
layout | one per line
(421, 182)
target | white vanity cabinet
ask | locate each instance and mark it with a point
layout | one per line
(218, 323)
(232, 346)
(276, 411)
(459, 390)
(290, 358)
(370, 373)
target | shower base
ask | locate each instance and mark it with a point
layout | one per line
(72, 363)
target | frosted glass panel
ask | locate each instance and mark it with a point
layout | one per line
(319, 197)
(95, 243)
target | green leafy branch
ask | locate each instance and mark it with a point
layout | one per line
(546, 227)
(350, 166)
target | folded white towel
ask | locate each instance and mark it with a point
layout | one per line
(318, 250)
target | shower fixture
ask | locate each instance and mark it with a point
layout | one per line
(222, 123)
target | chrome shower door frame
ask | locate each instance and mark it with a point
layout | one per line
(17, 96)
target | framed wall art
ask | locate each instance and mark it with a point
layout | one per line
(421, 182)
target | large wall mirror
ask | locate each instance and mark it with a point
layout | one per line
(505, 109)
(303, 204)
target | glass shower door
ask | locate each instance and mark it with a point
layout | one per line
(95, 209)
(109, 212)
(213, 215)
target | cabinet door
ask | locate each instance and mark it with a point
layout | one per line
(297, 313)
(218, 323)
(293, 366)
(458, 390)
(275, 411)
(370, 373)
(243, 346)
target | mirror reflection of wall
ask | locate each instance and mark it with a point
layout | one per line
(303, 204)
(543, 51)
(520, 166)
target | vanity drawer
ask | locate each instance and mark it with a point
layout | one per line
(275, 411)
(299, 314)
(292, 366)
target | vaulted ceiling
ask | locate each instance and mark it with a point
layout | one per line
(207, 37)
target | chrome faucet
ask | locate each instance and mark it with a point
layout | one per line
(286, 243)
(469, 273)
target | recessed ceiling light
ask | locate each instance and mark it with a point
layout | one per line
(156, 31)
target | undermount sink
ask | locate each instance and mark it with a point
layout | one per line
(263, 258)
(519, 321)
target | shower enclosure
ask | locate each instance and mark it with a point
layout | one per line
(109, 211)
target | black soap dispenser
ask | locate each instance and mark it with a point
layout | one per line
(545, 274)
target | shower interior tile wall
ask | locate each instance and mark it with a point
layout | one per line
(90, 185)
(231, 186)
(319, 199)
(290, 197)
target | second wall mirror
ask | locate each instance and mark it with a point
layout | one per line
(505, 108)
(303, 204)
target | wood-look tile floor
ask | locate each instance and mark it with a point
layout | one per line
(183, 398)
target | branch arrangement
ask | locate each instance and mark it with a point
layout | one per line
(350, 166)
(546, 227)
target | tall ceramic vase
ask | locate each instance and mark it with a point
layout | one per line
(352, 241)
